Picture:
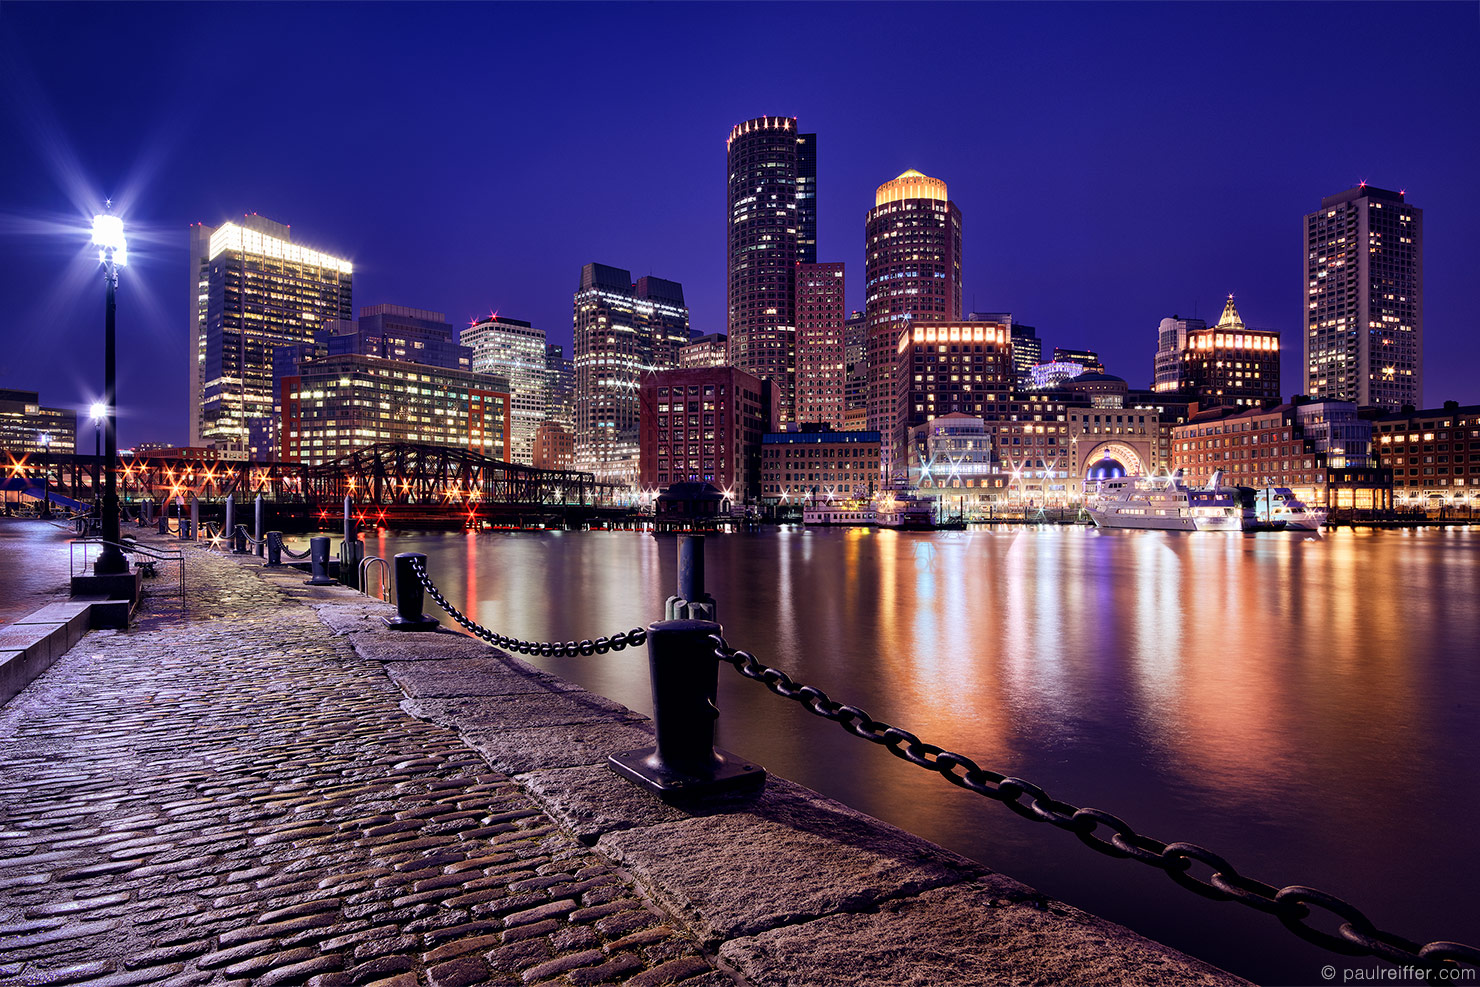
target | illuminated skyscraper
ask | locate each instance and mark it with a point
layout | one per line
(821, 356)
(1364, 299)
(622, 331)
(514, 350)
(252, 289)
(772, 226)
(912, 258)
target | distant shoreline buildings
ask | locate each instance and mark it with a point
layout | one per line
(279, 368)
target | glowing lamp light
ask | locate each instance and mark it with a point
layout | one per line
(107, 235)
(97, 411)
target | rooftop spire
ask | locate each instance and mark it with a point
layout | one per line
(1230, 319)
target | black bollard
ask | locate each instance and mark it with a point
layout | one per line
(239, 540)
(691, 603)
(409, 596)
(685, 677)
(274, 548)
(318, 557)
(259, 531)
(164, 519)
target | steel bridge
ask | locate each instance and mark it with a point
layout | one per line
(393, 482)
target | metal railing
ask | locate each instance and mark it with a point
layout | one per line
(385, 576)
(147, 558)
(684, 653)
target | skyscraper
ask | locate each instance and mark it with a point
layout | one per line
(821, 379)
(515, 350)
(252, 289)
(1229, 364)
(622, 330)
(912, 257)
(1364, 299)
(855, 358)
(772, 225)
(560, 387)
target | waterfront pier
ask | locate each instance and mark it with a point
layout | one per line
(264, 784)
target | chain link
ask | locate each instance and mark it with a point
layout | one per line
(556, 649)
(1295, 906)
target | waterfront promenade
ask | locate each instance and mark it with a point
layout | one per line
(267, 787)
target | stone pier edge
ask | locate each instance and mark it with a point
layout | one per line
(782, 888)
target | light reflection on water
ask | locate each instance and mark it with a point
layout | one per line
(1303, 705)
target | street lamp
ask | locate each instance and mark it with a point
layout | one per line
(107, 235)
(44, 441)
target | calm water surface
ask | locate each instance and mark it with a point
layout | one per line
(1304, 705)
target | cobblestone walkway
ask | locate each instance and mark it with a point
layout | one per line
(36, 572)
(234, 797)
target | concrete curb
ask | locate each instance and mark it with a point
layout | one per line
(784, 887)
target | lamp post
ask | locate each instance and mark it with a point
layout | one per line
(107, 235)
(97, 413)
(44, 441)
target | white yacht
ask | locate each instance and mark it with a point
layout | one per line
(1168, 504)
(1278, 507)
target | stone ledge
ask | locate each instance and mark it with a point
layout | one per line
(790, 888)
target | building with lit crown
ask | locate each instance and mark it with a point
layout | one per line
(1230, 365)
(821, 345)
(252, 290)
(946, 367)
(704, 425)
(514, 350)
(1364, 299)
(771, 226)
(912, 274)
(623, 330)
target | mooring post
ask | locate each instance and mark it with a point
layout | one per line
(194, 517)
(228, 526)
(685, 681)
(274, 548)
(409, 596)
(259, 529)
(164, 517)
(318, 557)
(352, 552)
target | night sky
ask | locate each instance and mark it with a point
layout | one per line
(1114, 164)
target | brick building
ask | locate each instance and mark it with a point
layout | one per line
(704, 425)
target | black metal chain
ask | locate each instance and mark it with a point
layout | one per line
(557, 649)
(296, 556)
(1294, 905)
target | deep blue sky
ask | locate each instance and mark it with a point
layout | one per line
(1114, 164)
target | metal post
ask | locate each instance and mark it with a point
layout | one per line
(164, 518)
(318, 555)
(685, 677)
(274, 548)
(691, 603)
(409, 596)
(228, 526)
(353, 551)
(110, 560)
(685, 682)
(239, 540)
(194, 516)
(258, 532)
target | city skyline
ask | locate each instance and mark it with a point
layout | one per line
(1074, 166)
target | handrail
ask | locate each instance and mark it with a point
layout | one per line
(385, 577)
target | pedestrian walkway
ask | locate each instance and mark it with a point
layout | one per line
(233, 796)
(35, 556)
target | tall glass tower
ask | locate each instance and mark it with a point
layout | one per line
(1364, 299)
(772, 226)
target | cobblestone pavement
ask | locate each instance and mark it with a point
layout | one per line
(235, 797)
(35, 554)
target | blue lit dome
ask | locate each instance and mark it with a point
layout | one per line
(1105, 469)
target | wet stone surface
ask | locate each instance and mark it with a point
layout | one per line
(229, 794)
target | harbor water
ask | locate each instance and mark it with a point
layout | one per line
(1307, 706)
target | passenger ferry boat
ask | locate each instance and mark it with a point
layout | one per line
(1168, 504)
(840, 512)
(904, 511)
(1278, 506)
